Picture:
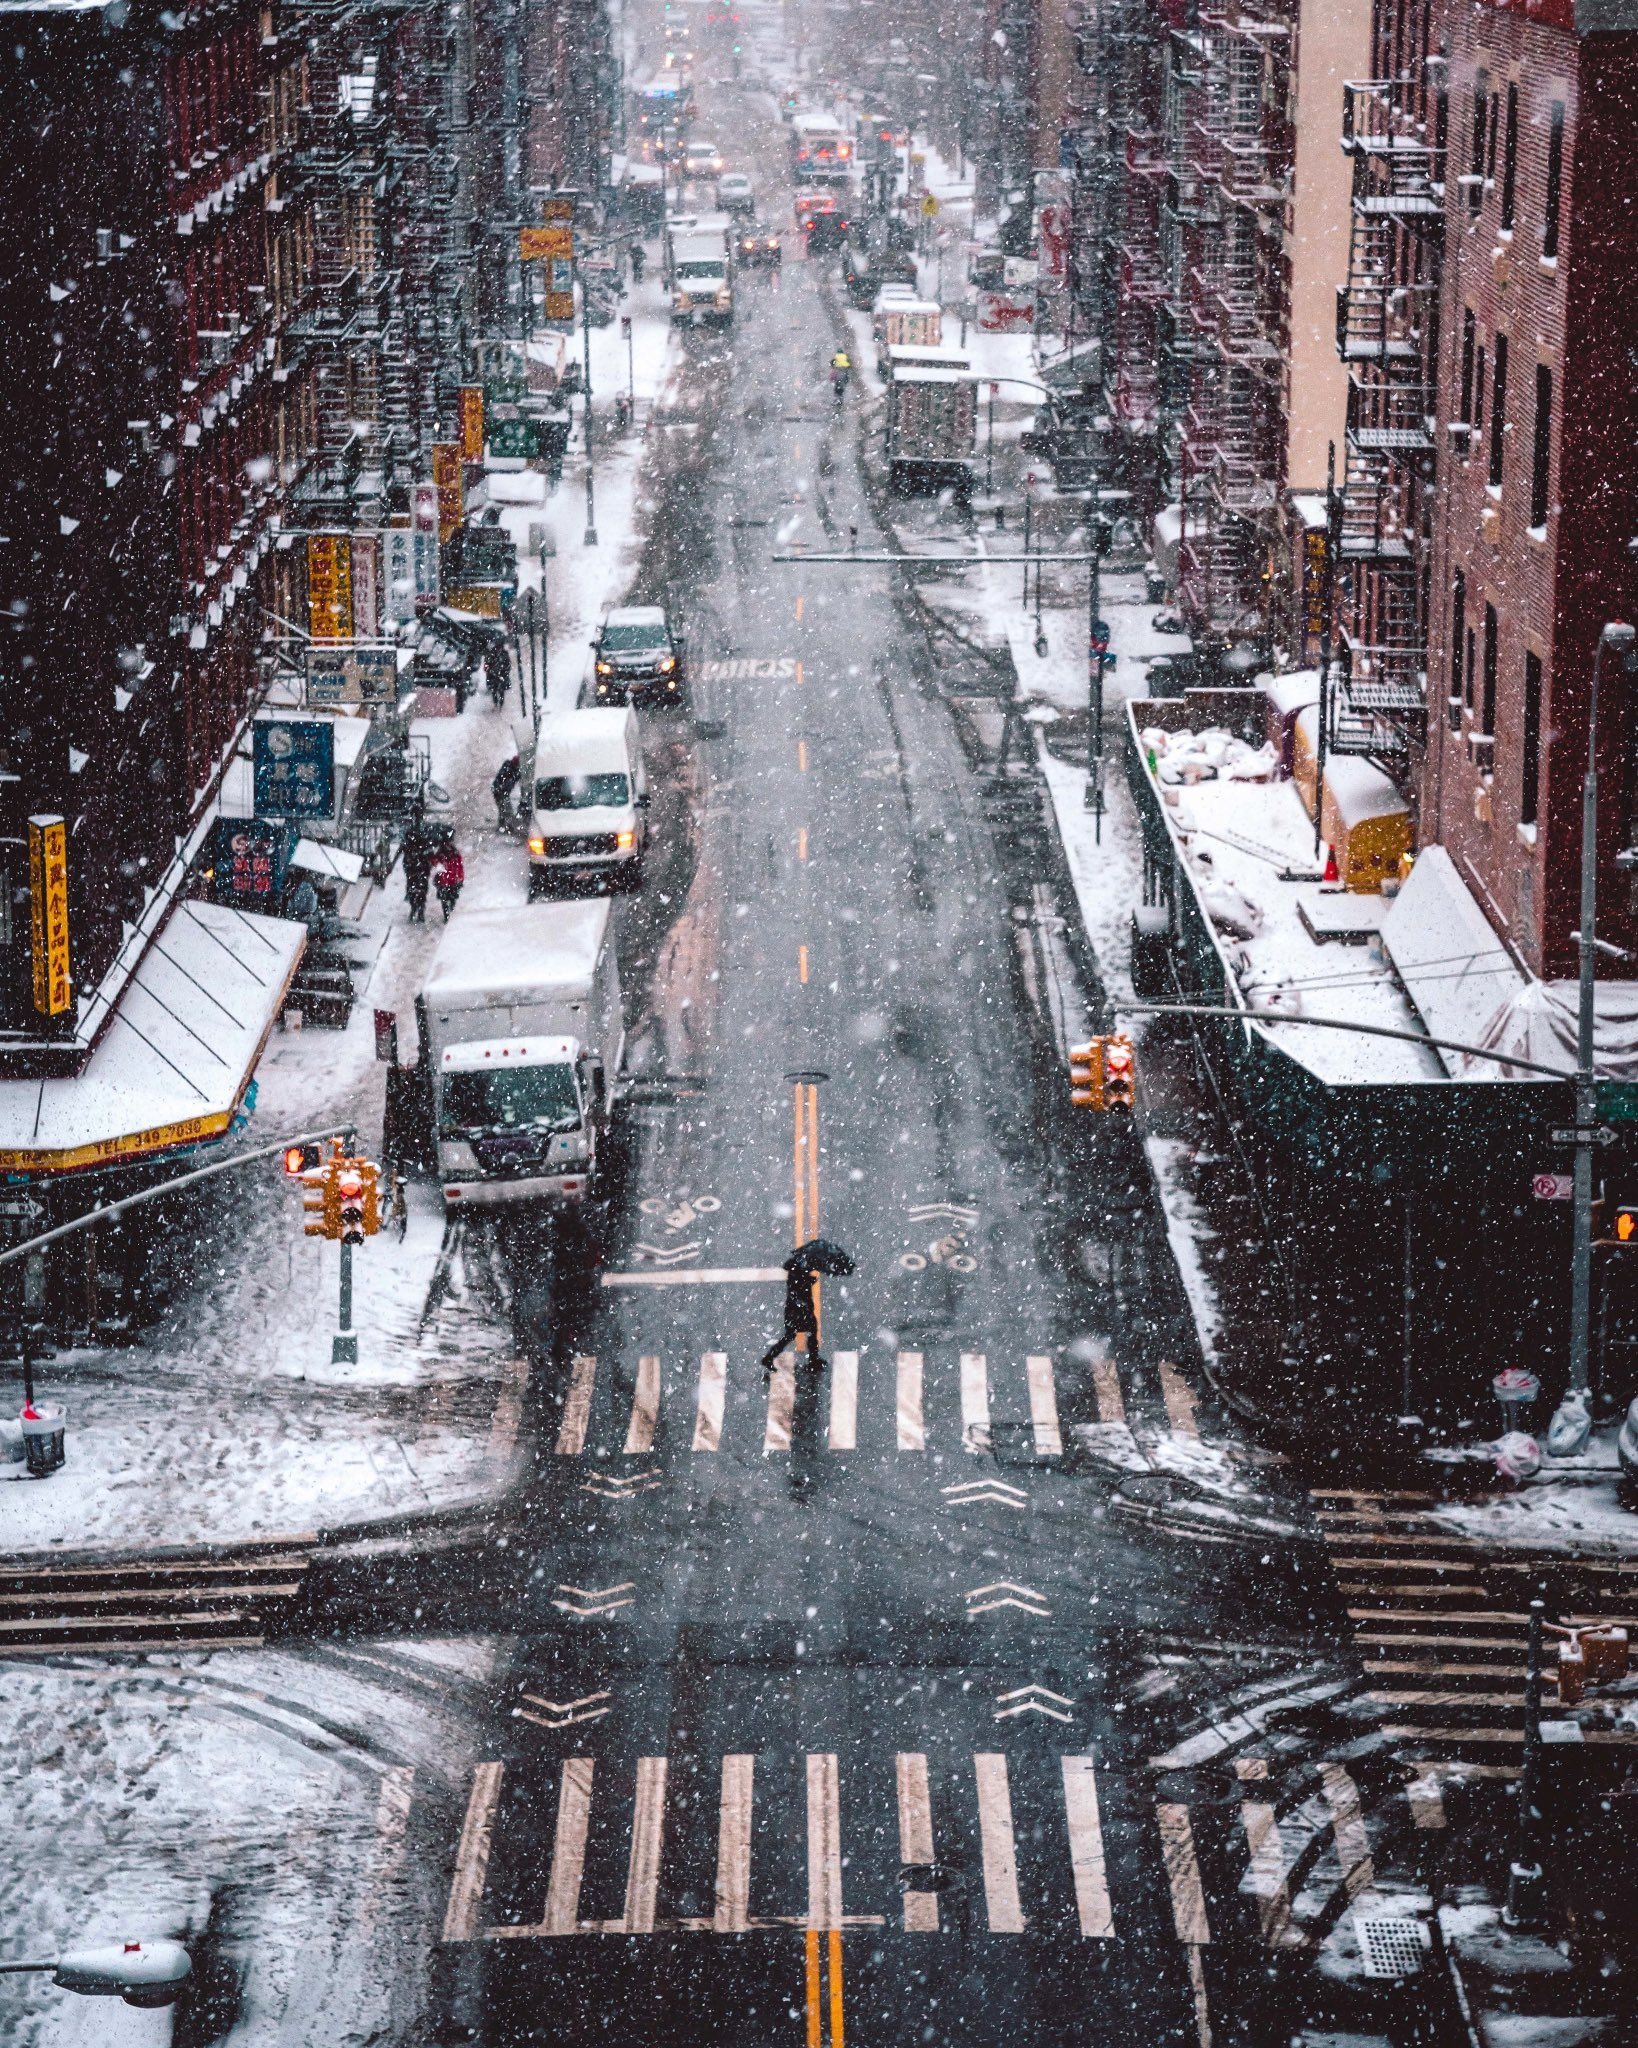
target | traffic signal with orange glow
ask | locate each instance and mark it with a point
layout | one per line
(301, 1159)
(1119, 1073)
(1626, 1226)
(320, 1199)
(350, 1201)
(1086, 1081)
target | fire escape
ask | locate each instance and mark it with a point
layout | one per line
(1141, 285)
(1387, 336)
(1237, 148)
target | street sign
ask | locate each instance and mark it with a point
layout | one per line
(929, 208)
(293, 772)
(48, 912)
(1618, 1101)
(1553, 1187)
(1588, 1134)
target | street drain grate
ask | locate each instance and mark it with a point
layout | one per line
(1388, 1947)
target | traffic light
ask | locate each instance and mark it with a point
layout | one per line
(371, 1175)
(301, 1159)
(1119, 1073)
(349, 1184)
(320, 1198)
(1086, 1075)
(1626, 1226)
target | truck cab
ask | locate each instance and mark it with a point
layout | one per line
(518, 1117)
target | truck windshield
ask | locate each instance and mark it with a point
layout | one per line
(581, 792)
(514, 1099)
(709, 269)
(625, 639)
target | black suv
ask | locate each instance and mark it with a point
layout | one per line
(637, 654)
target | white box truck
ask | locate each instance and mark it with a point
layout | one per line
(932, 430)
(523, 1036)
(699, 269)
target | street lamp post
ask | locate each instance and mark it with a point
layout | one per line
(1572, 1425)
(1524, 1874)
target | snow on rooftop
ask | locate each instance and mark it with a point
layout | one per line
(1236, 837)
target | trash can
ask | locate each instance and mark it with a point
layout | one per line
(1516, 1392)
(43, 1426)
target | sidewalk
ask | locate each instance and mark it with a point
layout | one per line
(225, 1420)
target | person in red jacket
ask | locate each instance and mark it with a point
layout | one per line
(448, 876)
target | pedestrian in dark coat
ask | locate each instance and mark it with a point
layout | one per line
(448, 877)
(419, 851)
(801, 1318)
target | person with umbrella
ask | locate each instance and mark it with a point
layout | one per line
(802, 1270)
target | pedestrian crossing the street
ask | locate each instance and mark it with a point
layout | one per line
(991, 1843)
(909, 1401)
(1440, 1620)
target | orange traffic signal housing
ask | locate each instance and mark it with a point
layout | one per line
(1119, 1073)
(1086, 1084)
(321, 1198)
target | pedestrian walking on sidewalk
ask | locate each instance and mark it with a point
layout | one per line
(448, 877)
(639, 256)
(420, 849)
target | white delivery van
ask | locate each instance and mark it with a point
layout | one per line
(523, 1033)
(588, 798)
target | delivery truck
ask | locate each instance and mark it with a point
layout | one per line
(699, 269)
(522, 1040)
(932, 430)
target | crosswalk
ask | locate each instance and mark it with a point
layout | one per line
(907, 1401)
(1441, 1624)
(990, 1843)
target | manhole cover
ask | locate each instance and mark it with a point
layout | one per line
(1388, 1947)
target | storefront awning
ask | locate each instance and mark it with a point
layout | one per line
(174, 1060)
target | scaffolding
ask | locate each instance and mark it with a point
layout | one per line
(1387, 322)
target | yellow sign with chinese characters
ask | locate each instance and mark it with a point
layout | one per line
(48, 888)
(330, 586)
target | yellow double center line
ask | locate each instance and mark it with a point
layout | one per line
(806, 1149)
(816, 1999)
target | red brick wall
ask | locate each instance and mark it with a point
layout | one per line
(1552, 587)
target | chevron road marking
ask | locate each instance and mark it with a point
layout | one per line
(972, 1492)
(622, 1485)
(566, 1713)
(667, 1255)
(583, 1604)
(943, 1212)
(1033, 1699)
(1006, 1594)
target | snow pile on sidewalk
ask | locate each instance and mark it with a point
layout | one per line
(265, 1807)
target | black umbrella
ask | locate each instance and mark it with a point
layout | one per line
(819, 1255)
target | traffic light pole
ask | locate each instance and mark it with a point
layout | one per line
(344, 1348)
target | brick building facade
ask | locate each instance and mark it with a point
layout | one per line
(1537, 501)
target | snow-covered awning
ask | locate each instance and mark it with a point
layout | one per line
(335, 862)
(176, 1056)
(1454, 968)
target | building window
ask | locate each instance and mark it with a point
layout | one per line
(1469, 343)
(1458, 626)
(1498, 411)
(1530, 752)
(1474, 180)
(1541, 453)
(1487, 704)
(1467, 671)
(1479, 374)
(1555, 181)
(1510, 158)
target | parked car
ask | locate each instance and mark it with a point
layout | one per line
(759, 247)
(636, 653)
(735, 193)
(588, 795)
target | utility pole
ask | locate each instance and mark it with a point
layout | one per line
(1572, 1425)
(585, 341)
(1097, 646)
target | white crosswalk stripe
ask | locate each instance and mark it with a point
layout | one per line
(1000, 1844)
(993, 1404)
